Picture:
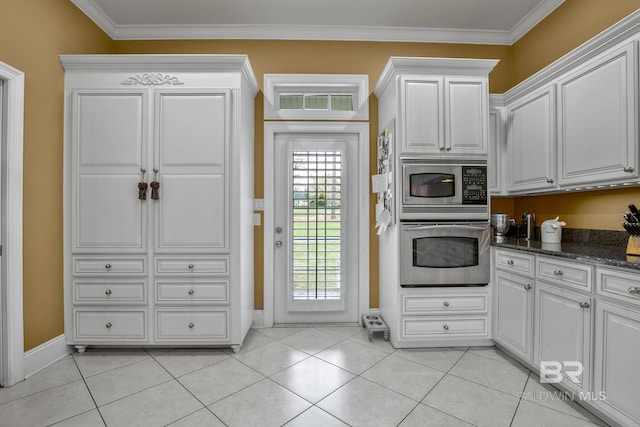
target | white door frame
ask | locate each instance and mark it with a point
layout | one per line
(270, 131)
(12, 356)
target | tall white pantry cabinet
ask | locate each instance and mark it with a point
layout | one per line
(158, 204)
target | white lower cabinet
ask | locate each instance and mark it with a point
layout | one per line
(513, 313)
(572, 315)
(444, 317)
(563, 335)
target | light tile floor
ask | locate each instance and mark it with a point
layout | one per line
(329, 376)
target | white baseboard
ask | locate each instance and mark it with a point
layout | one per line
(258, 319)
(45, 354)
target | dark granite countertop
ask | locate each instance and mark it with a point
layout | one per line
(588, 251)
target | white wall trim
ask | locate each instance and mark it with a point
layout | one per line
(258, 319)
(270, 131)
(45, 354)
(12, 322)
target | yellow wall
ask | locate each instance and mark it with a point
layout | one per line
(324, 57)
(32, 35)
(34, 32)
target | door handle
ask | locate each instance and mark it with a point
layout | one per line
(278, 244)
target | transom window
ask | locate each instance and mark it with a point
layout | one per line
(316, 97)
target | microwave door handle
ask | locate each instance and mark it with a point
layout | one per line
(455, 227)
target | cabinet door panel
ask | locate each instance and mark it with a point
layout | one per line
(596, 118)
(532, 142)
(514, 314)
(109, 129)
(616, 360)
(108, 216)
(192, 129)
(423, 118)
(563, 331)
(466, 116)
(192, 214)
(192, 145)
(108, 151)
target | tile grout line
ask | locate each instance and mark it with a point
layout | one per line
(89, 390)
(513, 417)
(187, 390)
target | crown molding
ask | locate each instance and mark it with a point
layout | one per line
(315, 32)
(217, 62)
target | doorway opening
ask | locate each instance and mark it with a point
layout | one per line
(316, 222)
(11, 142)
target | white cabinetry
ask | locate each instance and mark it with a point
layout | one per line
(439, 317)
(531, 144)
(563, 319)
(513, 302)
(597, 119)
(574, 124)
(158, 184)
(563, 333)
(497, 148)
(441, 106)
(617, 344)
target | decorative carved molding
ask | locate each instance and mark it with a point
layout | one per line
(152, 79)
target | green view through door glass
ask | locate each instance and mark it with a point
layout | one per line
(316, 102)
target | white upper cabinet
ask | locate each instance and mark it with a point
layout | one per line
(440, 105)
(466, 116)
(444, 115)
(575, 123)
(422, 105)
(532, 141)
(597, 119)
(192, 146)
(496, 149)
(109, 133)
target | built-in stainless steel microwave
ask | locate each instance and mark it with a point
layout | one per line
(434, 190)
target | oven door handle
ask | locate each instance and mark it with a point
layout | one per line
(440, 226)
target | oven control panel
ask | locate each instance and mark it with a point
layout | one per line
(474, 185)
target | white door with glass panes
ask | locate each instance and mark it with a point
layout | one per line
(315, 234)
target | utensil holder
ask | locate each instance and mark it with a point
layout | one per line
(633, 246)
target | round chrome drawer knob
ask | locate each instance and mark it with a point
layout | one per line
(191, 325)
(446, 327)
(108, 325)
(190, 291)
(585, 305)
(108, 266)
(108, 292)
(190, 266)
(527, 287)
(557, 272)
(510, 262)
(446, 304)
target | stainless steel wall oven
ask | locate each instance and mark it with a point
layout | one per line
(444, 253)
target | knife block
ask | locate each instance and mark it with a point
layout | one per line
(633, 246)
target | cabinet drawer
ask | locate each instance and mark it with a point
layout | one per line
(414, 304)
(443, 326)
(194, 326)
(193, 291)
(110, 325)
(577, 276)
(515, 262)
(218, 266)
(113, 291)
(622, 285)
(109, 265)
